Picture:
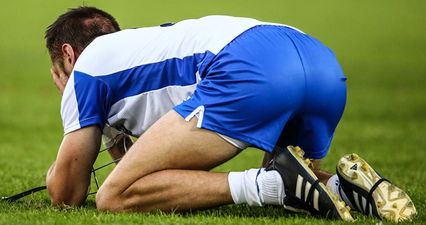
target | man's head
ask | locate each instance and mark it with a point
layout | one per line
(67, 37)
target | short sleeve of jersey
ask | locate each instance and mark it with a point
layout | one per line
(84, 102)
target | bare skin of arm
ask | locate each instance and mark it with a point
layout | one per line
(68, 178)
(323, 176)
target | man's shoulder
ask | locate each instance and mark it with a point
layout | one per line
(128, 48)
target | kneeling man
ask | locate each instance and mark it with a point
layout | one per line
(196, 93)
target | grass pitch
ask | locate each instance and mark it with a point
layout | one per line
(380, 44)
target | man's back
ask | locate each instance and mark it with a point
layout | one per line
(137, 75)
(135, 47)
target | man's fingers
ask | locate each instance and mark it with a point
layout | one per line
(57, 80)
(60, 74)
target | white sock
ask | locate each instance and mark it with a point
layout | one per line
(256, 187)
(334, 184)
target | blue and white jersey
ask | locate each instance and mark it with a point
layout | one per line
(131, 78)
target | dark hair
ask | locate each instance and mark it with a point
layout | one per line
(78, 27)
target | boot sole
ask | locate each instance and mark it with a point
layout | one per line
(392, 203)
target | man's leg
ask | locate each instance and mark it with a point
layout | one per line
(166, 169)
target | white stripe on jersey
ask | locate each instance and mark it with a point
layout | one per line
(138, 113)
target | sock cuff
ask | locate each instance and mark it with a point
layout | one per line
(333, 182)
(256, 187)
(271, 188)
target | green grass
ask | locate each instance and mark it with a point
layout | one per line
(381, 46)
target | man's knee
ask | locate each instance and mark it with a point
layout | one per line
(108, 200)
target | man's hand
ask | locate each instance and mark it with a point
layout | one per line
(117, 142)
(68, 178)
(120, 147)
(59, 77)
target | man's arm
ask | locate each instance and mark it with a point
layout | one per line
(68, 178)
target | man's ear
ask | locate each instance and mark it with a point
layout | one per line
(69, 54)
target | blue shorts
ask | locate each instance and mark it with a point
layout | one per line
(272, 85)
